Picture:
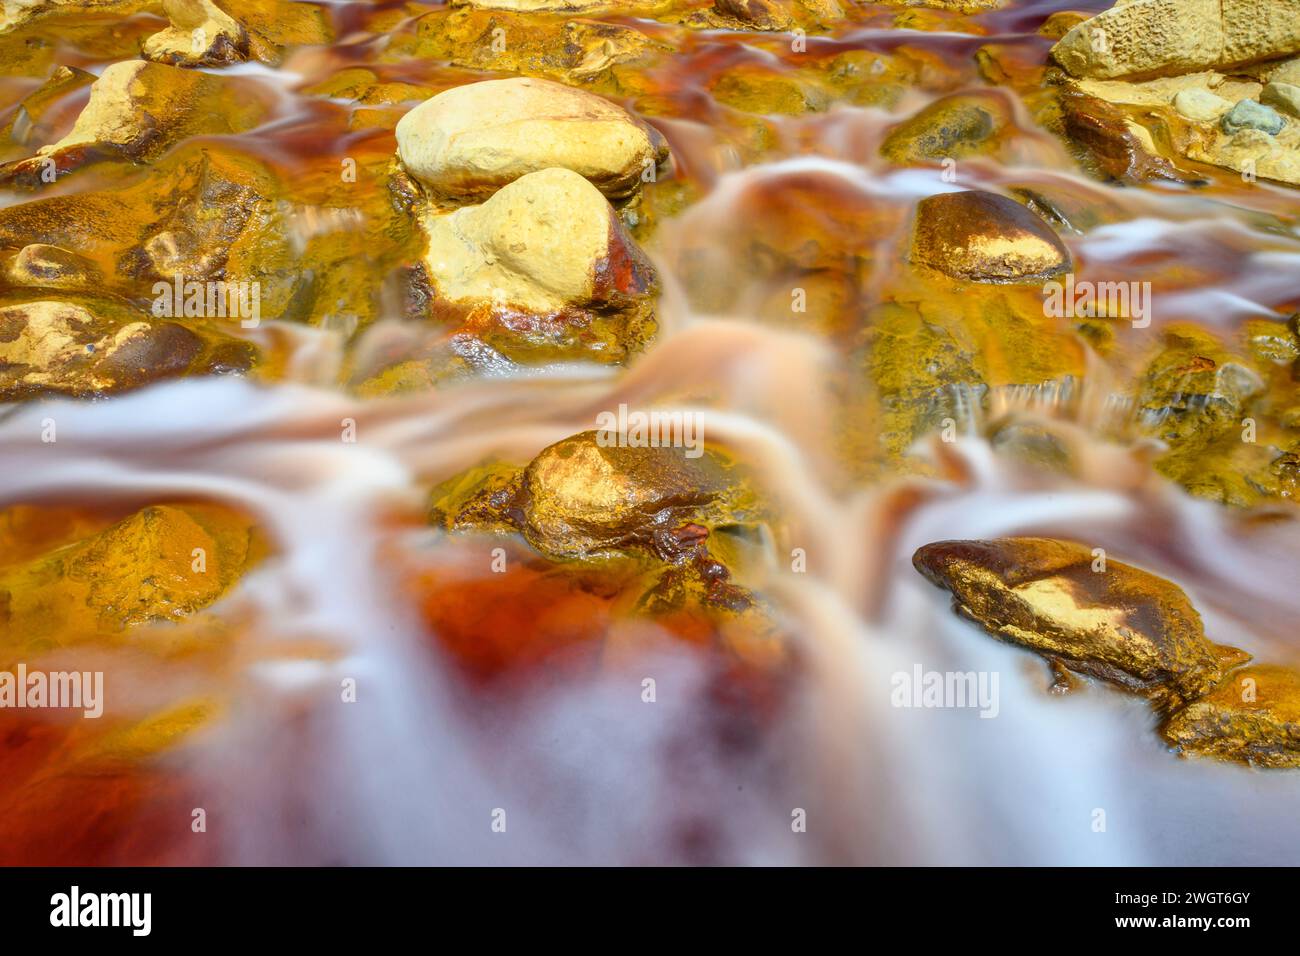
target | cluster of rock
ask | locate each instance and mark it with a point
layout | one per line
(524, 250)
(199, 32)
(1222, 76)
(1130, 628)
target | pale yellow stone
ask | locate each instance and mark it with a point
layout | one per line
(536, 244)
(110, 116)
(1201, 106)
(1284, 96)
(199, 30)
(469, 141)
(1167, 37)
(1164, 90)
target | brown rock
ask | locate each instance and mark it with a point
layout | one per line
(985, 237)
(759, 14)
(1111, 143)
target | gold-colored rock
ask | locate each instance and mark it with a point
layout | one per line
(273, 25)
(1094, 615)
(595, 493)
(579, 497)
(52, 267)
(570, 50)
(985, 237)
(159, 564)
(1252, 717)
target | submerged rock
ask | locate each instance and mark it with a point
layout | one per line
(1252, 717)
(985, 237)
(955, 127)
(469, 141)
(574, 50)
(1113, 146)
(1118, 623)
(756, 14)
(138, 110)
(273, 25)
(1142, 38)
(760, 89)
(145, 568)
(30, 122)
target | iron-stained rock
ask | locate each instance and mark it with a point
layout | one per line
(1117, 623)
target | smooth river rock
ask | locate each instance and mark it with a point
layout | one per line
(469, 141)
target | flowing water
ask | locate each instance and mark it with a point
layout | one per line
(586, 771)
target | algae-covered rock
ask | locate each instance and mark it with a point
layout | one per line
(954, 127)
(766, 91)
(1194, 390)
(1252, 717)
(1103, 619)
